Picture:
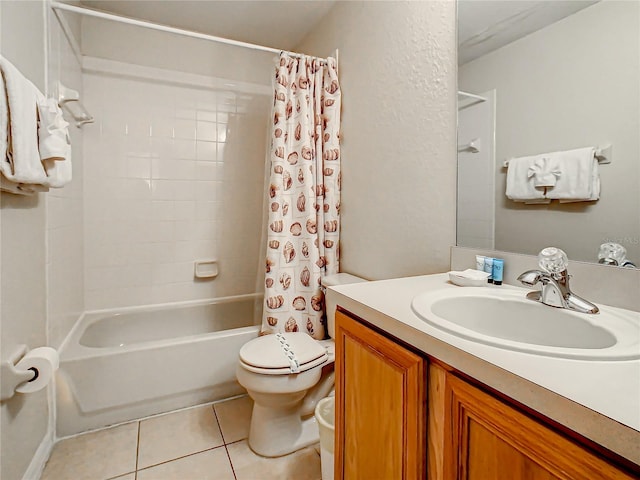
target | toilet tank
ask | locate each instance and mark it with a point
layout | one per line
(332, 281)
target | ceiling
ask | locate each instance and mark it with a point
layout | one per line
(486, 25)
(483, 25)
(278, 24)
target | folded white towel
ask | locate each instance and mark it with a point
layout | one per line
(54, 143)
(20, 188)
(520, 184)
(568, 176)
(6, 149)
(59, 172)
(53, 136)
(35, 152)
(544, 171)
(21, 163)
(580, 179)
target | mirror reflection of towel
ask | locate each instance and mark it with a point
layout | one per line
(567, 176)
(580, 180)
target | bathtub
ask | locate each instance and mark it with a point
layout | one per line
(119, 365)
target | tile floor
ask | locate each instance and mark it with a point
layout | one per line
(201, 443)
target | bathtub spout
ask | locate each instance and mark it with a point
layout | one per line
(317, 393)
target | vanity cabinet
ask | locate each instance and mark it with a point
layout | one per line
(475, 436)
(380, 406)
(385, 430)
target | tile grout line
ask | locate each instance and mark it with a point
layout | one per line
(233, 470)
(179, 458)
(137, 451)
(183, 456)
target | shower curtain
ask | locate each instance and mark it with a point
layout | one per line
(304, 194)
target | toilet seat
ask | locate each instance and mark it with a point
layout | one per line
(265, 355)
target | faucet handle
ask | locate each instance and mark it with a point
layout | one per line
(612, 254)
(553, 260)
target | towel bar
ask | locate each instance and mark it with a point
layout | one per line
(69, 99)
(473, 146)
(603, 155)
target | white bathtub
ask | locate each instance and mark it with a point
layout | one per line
(130, 363)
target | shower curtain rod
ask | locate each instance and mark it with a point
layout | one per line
(165, 28)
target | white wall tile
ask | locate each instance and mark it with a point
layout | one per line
(206, 131)
(162, 127)
(205, 170)
(206, 151)
(186, 113)
(223, 130)
(162, 190)
(185, 210)
(185, 129)
(207, 116)
(184, 230)
(184, 149)
(207, 190)
(138, 167)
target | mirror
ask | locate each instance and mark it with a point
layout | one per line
(537, 77)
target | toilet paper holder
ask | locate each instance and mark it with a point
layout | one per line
(10, 377)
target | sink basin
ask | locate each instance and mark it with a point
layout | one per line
(504, 318)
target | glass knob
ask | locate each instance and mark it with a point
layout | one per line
(553, 260)
(612, 254)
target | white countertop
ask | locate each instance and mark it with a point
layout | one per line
(597, 399)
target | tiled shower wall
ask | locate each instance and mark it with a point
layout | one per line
(173, 174)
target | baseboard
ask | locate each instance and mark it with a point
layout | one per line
(34, 471)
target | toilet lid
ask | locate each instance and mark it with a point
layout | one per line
(267, 353)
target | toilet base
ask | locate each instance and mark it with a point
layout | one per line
(279, 431)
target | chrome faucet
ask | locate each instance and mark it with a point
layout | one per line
(555, 283)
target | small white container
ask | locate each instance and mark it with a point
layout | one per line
(469, 278)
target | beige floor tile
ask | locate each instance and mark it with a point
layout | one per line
(301, 465)
(129, 476)
(96, 456)
(210, 465)
(235, 417)
(177, 434)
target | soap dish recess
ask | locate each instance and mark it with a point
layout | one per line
(469, 278)
(206, 269)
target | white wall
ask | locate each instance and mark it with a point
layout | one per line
(141, 46)
(398, 77)
(573, 84)
(24, 418)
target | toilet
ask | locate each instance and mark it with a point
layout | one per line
(282, 420)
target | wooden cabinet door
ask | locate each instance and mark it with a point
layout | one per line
(380, 406)
(483, 438)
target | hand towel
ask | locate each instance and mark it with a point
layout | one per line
(59, 171)
(520, 185)
(53, 136)
(544, 171)
(54, 143)
(580, 179)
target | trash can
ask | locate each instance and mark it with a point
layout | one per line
(326, 418)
